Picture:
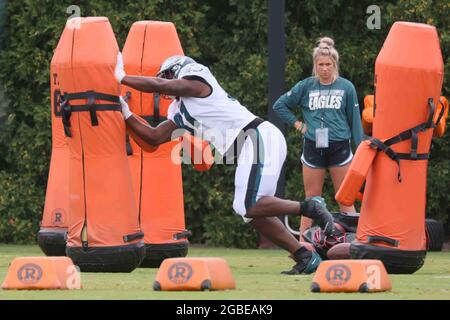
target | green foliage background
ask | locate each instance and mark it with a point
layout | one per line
(230, 36)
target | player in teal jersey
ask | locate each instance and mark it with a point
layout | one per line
(331, 117)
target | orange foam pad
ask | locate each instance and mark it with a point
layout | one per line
(34, 273)
(351, 276)
(199, 151)
(368, 101)
(194, 274)
(367, 120)
(367, 114)
(356, 175)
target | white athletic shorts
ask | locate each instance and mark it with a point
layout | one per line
(257, 176)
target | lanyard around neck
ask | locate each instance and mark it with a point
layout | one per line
(320, 95)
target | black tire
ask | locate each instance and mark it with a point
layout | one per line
(52, 242)
(435, 234)
(395, 261)
(156, 253)
(108, 259)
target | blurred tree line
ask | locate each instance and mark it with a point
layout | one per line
(229, 36)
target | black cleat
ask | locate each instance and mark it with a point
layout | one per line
(315, 209)
(305, 265)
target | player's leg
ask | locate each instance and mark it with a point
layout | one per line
(255, 185)
(274, 230)
(255, 181)
(262, 180)
(259, 166)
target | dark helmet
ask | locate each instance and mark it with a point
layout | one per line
(172, 66)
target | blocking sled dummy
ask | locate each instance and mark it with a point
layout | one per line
(53, 229)
(408, 81)
(103, 227)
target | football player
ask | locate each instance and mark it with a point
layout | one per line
(203, 108)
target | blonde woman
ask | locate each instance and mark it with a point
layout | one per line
(330, 118)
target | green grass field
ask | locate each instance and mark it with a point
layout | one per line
(256, 273)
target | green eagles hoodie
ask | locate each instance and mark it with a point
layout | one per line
(336, 103)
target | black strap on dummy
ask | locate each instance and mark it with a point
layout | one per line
(389, 241)
(133, 236)
(181, 235)
(128, 146)
(91, 106)
(405, 135)
(156, 119)
(150, 120)
(441, 113)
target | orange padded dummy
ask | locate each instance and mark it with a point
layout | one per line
(104, 233)
(198, 152)
(53, 232)
(156, 171)
(408, 80)
(356, 174)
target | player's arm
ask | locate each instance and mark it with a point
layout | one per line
(151, 135)
(172, 87)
